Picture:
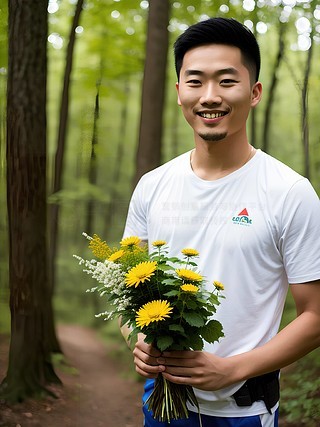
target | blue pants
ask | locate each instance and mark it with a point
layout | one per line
(265, 420)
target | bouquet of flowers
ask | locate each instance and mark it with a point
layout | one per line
(162, 297)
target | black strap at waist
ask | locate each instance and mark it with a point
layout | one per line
(265, 387)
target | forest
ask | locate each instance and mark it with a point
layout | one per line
(87, 106)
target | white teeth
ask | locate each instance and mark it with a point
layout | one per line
(211, 116)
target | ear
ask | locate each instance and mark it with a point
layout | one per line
(177, 88)
(256, 94)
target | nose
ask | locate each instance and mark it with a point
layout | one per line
(210, 95)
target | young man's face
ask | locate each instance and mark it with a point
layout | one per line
(215, 92)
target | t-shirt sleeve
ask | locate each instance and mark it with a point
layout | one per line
(136, 223)
(299, 239)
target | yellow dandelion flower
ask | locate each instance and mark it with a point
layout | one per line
(159, 243)
(218, 285)
(130, 241)
(140, 273)
(190, 252)
(99, 248)
(189, 275)
(153, 311)
(188, 287)
(116, 255)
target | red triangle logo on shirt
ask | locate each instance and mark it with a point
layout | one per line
(243, 212)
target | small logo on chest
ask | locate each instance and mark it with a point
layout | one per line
(242, 218)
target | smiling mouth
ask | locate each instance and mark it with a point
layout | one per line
(212, 115)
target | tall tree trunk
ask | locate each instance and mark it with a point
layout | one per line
(95, 298)
(272, 89)
(61, 143)
(304, 113)
(112, 206)
(93, 161)
(153, 89)
(30, 367)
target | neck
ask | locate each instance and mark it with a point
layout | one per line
(214, 160)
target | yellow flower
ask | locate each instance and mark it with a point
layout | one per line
(218, 285)
(99, 248)
(130, 241)
(159, 243)
(140, 273)
(189, 275)
(153, 311)
(190, 252)
(188, 287)
(116, 255)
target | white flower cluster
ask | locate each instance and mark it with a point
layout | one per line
(111, 276)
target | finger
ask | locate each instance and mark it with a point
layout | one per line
(146, 369)
(144, 358)
(177, 379)
(148, 349)
(180, 354)
(146, 374)
(171, 361)
(179, 371)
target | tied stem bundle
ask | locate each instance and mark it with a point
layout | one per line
(168, 401)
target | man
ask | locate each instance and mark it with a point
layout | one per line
(255, 223)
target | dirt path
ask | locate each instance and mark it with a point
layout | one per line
(96, 396)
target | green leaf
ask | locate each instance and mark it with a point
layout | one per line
(194, 264)
(164, 267)
(169, 281)
(174, 260)
(164, 342)
(195, 342)
(194, 319)
(212, 331)
(177, 328)
(191, 304)
(214, 299)
(172, 293)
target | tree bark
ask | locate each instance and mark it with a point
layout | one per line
(111, 211)
(30, 367)
(93, 160)
(304, 113)
(153, 89)
(272, 89)
(61, 143)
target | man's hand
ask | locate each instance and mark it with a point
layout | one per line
(199, 369)
(145, 358)
(196, 368)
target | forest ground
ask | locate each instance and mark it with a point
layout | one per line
(96, 392)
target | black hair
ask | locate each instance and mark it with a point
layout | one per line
(226, 31)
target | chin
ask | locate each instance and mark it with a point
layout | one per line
(213, 137)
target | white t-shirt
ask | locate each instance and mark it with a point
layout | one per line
(257, 229)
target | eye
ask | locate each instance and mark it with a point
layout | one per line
(228, 82)
(193, 82)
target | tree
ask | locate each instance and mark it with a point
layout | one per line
(61, 143)
(153, 89)
(272, 87)
(30, 367)
(305, 109)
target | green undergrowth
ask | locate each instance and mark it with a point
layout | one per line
(300, 384)
(300, 396)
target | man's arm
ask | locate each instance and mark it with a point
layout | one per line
(209, 372)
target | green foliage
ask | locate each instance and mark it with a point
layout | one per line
(301, 392)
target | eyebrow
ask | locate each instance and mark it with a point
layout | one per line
(229, 70)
